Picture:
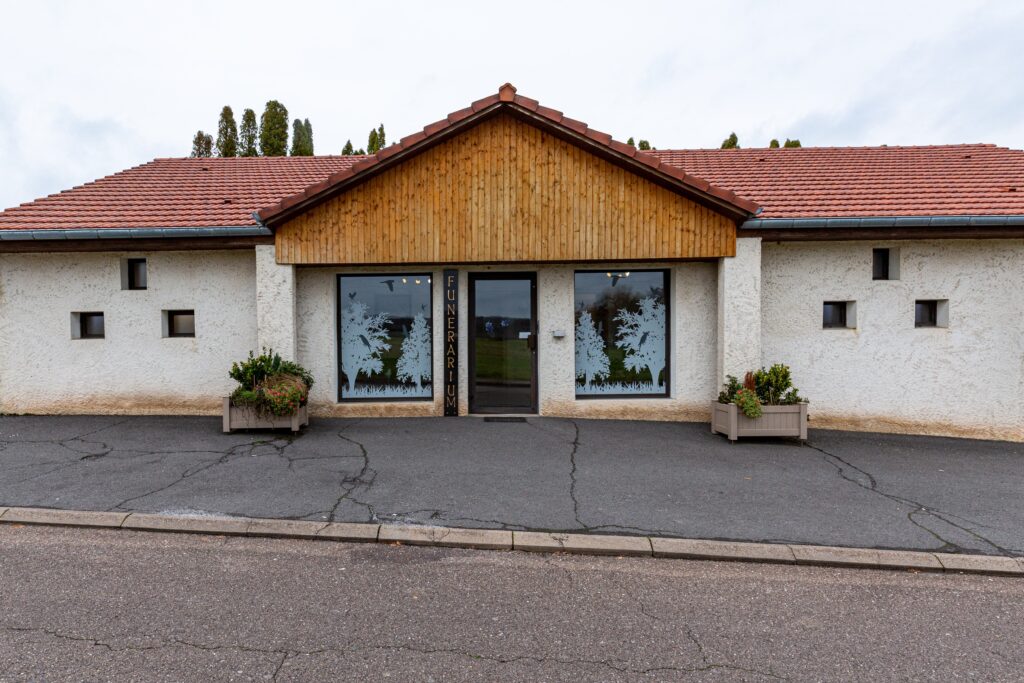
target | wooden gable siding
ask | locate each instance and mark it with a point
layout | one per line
(504, 191)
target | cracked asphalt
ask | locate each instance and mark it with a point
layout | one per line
(81, 604)
(600, 476)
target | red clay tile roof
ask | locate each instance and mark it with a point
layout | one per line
(820, 182)
(176, 193)
(809, 182)
(506, 98)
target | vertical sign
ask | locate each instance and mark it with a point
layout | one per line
(451, 343)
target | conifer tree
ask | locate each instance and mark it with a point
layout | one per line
(309, 136)
(248, 135)
(274, 130)
(731, 142)
(348, 150)
(381, 140)
(301, 146)
(227, 134)
(630, 142)
(202, 145)
(371, 144)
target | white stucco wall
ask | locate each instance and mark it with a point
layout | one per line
(692, 357)
(134, 369)
(967, 379)
(275, 303)
(739, 310)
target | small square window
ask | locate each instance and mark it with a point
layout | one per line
(834, 315)
(885, 264)
(880, 264)
(181, 323)
(136, 268)
(90, 326)
(931, 313)
(926, 313)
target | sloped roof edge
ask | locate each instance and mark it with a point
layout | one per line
(507, 99)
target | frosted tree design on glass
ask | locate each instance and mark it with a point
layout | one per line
(591, 360)
(641, 335)
(414, 364)
(363, 339)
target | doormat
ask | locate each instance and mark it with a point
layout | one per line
(504, 419)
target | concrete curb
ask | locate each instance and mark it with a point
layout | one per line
(530, 541)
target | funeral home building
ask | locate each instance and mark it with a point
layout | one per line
(508, 259)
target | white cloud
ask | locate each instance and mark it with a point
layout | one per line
(91, 88)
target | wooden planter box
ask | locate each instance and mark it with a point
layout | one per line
(242, 417)
(726, 418)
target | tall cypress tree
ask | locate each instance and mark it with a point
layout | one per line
(298, 143)
(371, 143)
(202, 145)
(248, 135)
(274, 130)
(309, 136)
(381, 140)
(227, 134)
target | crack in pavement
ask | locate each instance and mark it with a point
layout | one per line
(918, 508)
(365, 477)
(353, 646)
(235, 452)
(572, 475)
(66, 444)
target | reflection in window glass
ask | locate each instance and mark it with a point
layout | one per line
(385, 333)
(621, 333)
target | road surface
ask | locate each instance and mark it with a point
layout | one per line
(81, 604)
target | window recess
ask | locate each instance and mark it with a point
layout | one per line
(839, 315)
(179, 323)
(87, 325)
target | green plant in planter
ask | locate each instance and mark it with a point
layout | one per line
(774, 386)
(770, 387)
(255, 369)
(270, 385)
(746, 401)
(729, 389)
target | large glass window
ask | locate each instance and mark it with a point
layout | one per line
(385, 339)
(621, 333)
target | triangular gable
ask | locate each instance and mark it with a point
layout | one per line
(506, 181)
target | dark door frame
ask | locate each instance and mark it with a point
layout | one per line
(529, 275)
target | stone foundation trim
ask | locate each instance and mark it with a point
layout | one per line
(531, 541)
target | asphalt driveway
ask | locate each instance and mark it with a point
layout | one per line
(651, 478)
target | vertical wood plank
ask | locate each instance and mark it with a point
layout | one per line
(504, 191)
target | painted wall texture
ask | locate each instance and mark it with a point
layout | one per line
(275, 303)
(739, 315)
(886, 374)
(134, 369)
(692, 356)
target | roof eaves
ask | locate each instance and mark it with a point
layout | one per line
(867, 222)
(134, 233)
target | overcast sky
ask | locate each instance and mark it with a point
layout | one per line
(90, 88)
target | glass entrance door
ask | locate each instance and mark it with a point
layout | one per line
(502, 343)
